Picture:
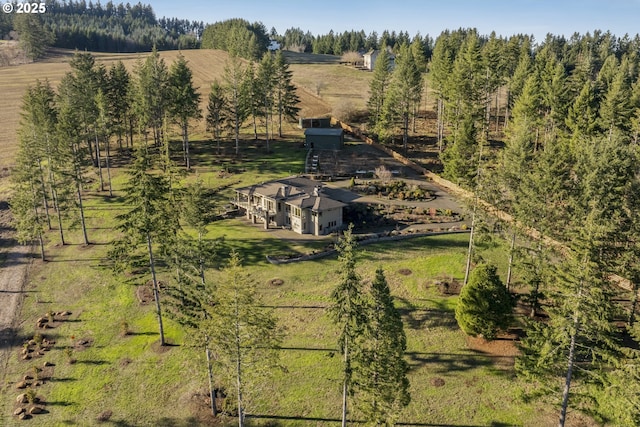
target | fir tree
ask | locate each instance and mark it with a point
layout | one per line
(348, 310)
(151, 98)
(184, 103)
(146, 223)
(287, 99)
(217, 113)
(378, 86)
(380, 372)
(405, 91)
(484, 307)
(243, 335)
(237, 97)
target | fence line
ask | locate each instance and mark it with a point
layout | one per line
(459, 191)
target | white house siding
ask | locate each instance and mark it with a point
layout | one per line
(327, 221)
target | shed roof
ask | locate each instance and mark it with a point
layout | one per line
(323, 132)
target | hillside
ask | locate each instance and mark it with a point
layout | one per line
(207, 65)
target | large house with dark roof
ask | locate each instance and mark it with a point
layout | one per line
(296, 203)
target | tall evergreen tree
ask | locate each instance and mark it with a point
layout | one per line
(217, 113)
(147, 222)
(380, 376)
(184, 102)
(71, 130)
(265, 83)
(151, 95)
(461, 158)
(233, 82)
(405, 91)
(287, 99)
(118, 99)
(378, 86)
(348, 310)
(34, 38)
(243, 335)
(28, 220)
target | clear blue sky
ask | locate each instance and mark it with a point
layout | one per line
(505, 17)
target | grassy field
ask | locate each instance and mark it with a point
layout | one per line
(454, 380)
(206, 65)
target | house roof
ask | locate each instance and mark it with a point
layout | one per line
(297, 191)
(323, 132)
(315, 203)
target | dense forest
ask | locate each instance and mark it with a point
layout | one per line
(107, 28)
(118, 27)
(567, 112)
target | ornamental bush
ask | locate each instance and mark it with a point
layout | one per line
(484, 306)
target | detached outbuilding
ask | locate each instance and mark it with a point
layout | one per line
(324, 138)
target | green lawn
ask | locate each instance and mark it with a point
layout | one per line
(144, 385)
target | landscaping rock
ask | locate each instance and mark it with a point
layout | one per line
(22, 398)
(24, 416)
(34, 410)
(26, 357)
(46, 364)
(18, 411)
(22, 385)
(27, 377)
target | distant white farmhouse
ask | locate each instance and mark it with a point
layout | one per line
(297, 203)
(371, 56)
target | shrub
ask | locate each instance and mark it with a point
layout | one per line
(30, 395)
(485, 305)
(383, 174)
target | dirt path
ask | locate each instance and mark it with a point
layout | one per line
(14, 261)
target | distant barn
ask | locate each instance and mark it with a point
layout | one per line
(314, 122)
(324, 138)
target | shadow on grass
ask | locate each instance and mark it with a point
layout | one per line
(58, 403)
(455, 362)
(330, 350)
(142, 334)
(93, 362)
(172, 422)
(312, 307)
(51, 258)
(425, 245)
(11, 258)
(11, 337)
(338, 420)
(420, 318)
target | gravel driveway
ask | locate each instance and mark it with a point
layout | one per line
(14, 261)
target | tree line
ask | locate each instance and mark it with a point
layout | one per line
(95, 107)
(100, 28)
(569, 113)
(334, 43)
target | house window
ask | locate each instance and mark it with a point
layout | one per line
(279, 206)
